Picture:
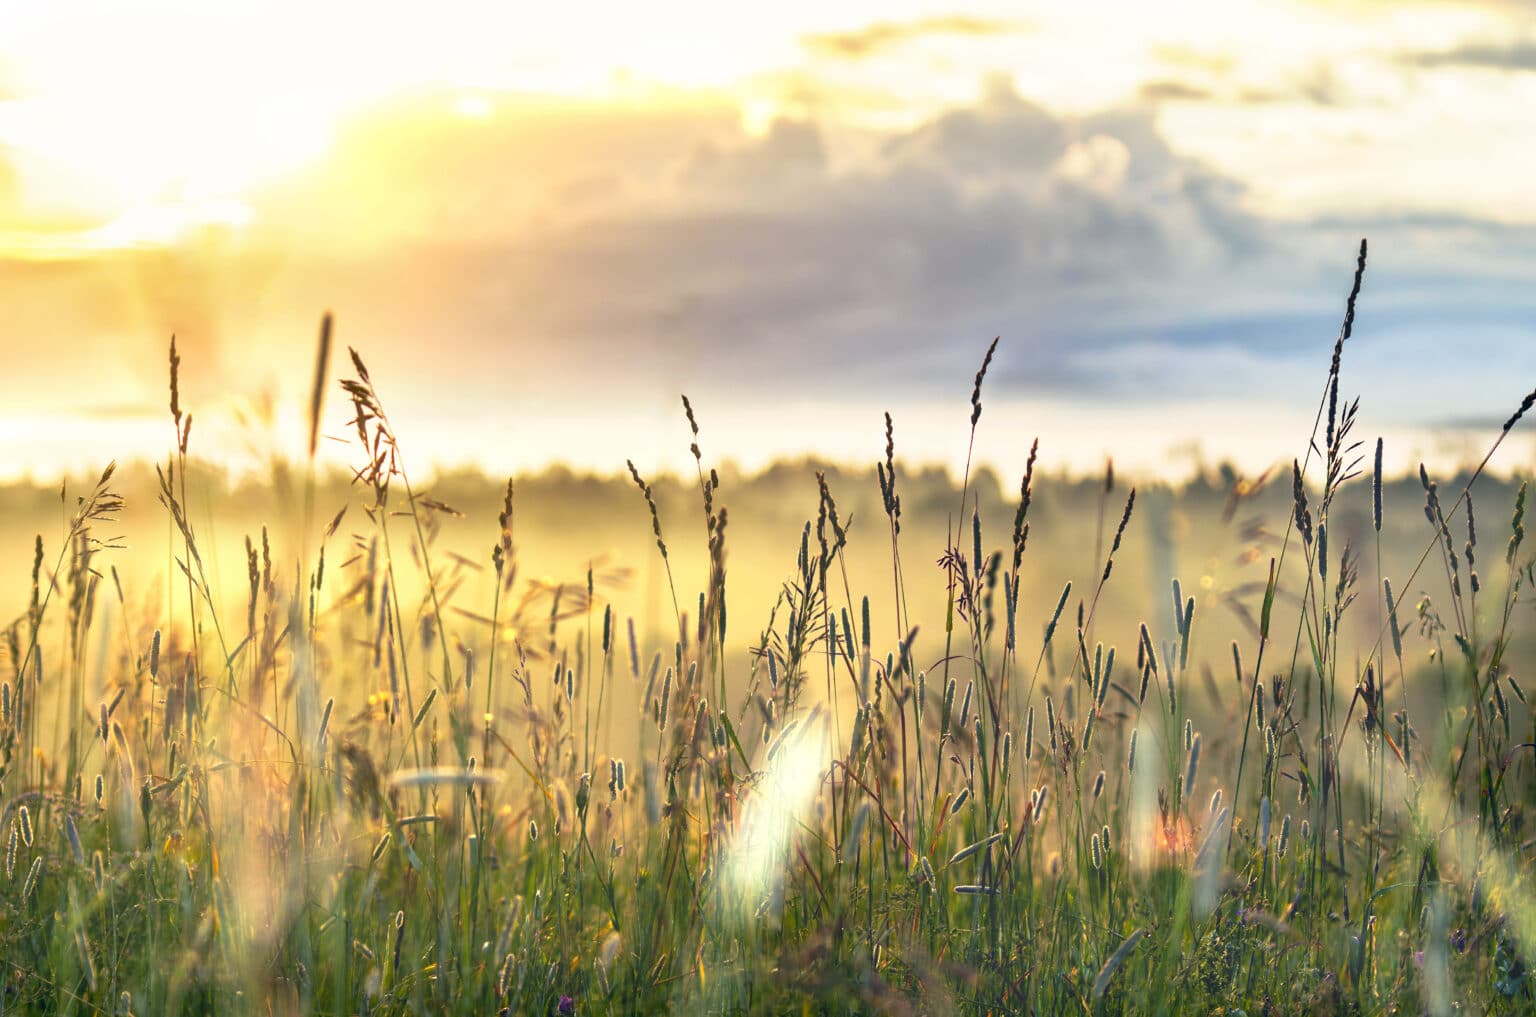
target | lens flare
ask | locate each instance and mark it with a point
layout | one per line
(797, 764)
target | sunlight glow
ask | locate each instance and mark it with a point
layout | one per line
(147, 177)
(474, 106)
(1151, 842)
(162, 224)
(796, 767)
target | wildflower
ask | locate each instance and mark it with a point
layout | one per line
(566, 1007)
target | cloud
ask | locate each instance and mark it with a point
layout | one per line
(781, 260)
(1317, 84)
(1189, 58)
(1166, 90)
(1517, 56)
(409, 171)
(883, 36)
(595, 256)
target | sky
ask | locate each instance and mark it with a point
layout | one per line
(539, 224)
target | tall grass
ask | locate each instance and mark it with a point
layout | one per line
(375, 800)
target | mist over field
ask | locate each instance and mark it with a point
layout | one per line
(1214, 533)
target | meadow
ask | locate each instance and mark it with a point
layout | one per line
(822, 739)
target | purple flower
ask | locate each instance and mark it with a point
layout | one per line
(1459, 940)
(566, 1007)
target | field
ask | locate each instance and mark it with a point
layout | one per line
(817, 740)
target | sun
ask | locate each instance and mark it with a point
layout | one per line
(100, 173)
(122, 129)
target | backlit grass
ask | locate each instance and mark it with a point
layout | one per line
(371, 776)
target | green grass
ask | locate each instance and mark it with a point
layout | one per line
(343, 792)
